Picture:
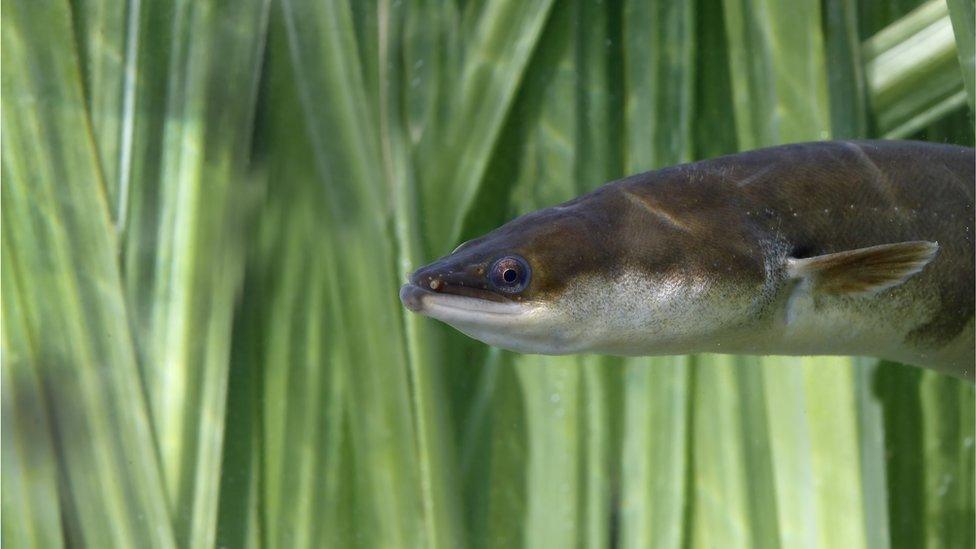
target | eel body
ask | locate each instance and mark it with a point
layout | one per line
(827, 248)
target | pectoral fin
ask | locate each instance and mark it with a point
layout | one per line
(865, 270)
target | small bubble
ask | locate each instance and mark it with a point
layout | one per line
(554, 398)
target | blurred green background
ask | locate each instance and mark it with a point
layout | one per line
(208, 207)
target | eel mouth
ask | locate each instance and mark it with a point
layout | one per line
(455, 301)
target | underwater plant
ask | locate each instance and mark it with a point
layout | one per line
(208, 208)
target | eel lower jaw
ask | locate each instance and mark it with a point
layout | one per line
(520, 326)
(448, 307)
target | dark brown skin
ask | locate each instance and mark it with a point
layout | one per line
(738, 219)
(894, 191)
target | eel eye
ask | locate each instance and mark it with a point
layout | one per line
(509, 274)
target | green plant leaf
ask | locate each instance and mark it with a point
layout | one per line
(29, 463)
(963, 14)
(912, 71)
(497, 52)
(849, 115)
(947, 448)
(195, 67)
(353, 216)
(61, 246)
(777, 66)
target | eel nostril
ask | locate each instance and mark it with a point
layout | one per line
(435, 284)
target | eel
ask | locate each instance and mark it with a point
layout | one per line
(860, 248)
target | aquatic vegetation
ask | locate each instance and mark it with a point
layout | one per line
(208, 208)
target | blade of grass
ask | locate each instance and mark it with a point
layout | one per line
(196, 68)
(792, 449)
(29, 464)
(848, 95)
(307, 482)
(912, 71)
(874, 16)
(659, 48)
(334, 65)
(714, 120)
(831, 413)
(598, 471)
(735, 491)
(551, 390)
(596, 41)
(106, 37)
(347, 156)
(871, 431)
(654, 452)
(493, 66)
(948, 450)
(238, 519)
(294, 389)
(58, 227)
(492, 446)
(776, 60)
(293, 491)
(897, 387)
(497, 492)
(962, 14)
(430, 63)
